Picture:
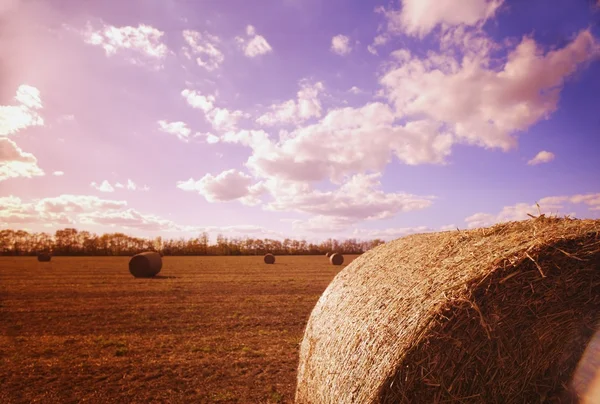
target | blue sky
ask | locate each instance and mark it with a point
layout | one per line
(306, 119)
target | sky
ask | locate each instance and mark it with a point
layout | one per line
(297, 118)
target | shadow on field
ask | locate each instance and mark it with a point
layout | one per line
(162, 277)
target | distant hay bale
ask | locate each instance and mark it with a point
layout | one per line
(269, 259)
(336, 259)
(145, 265)
(492, 315)
(327, 254)
(44, 257)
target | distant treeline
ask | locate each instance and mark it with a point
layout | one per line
(70, 241)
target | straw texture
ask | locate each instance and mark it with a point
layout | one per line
(495, 315)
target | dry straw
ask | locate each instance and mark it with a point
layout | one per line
(492, 315)
(145, 265)
(269, 258)
(336, 259)
(44, 257)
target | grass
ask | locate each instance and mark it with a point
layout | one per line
(219, 329)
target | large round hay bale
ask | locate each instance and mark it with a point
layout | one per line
(44, 257)
(269, 259)
(494, 315)
(336, 259)
(145, 265)
(327, 254)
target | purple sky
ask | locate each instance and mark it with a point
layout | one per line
(299, 118)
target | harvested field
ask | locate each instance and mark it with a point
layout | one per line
(206, 329)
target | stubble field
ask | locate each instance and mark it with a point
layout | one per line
(208, 329)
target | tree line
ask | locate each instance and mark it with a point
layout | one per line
(71, 242)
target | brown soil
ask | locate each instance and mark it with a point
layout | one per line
(207, 329)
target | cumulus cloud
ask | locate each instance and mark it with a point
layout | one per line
(481, 105)
(227, 186)
(15, 163)
(204, 48)
(129, 219)
(103, 187)
(178, 128)
(254, 45)
(419, 17)
(14, 118)
(359, 198)
(340, 44)
(80, 210)
(542, 157)
(144, 40)
(306, 105)
(552, 205)
(355, 90)
(212, 139)
(345, 141)
(221, 119)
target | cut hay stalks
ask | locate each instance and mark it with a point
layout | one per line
(145, 265)
(336, 259)
(495, 315)
(269, 258)
(44, 257)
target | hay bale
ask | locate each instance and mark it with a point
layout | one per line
(494, 315)
(327, 254)
(269, 258)
(336, 259)
(145, 265)
(44, 257)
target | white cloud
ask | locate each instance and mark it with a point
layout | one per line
(221, 119)
(197, 100)
(132, 186)
(359, 198)
(212, 139)
(256, 45)
(553, 205)
(204, 48)
(14, 118)
(481, 105)
(322, 224)
(15, 163)
(345, 141)
(143, 39)
(227, 186)
(106, 186)
(306, 106)
(103, 187)
(340, 44)
(419, 17)
(541, 157)
(76, 204)
(355, 90)
(58, 173)
(80, 210)
(179, 129)
(129, 219)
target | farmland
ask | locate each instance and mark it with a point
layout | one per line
(207, 329)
